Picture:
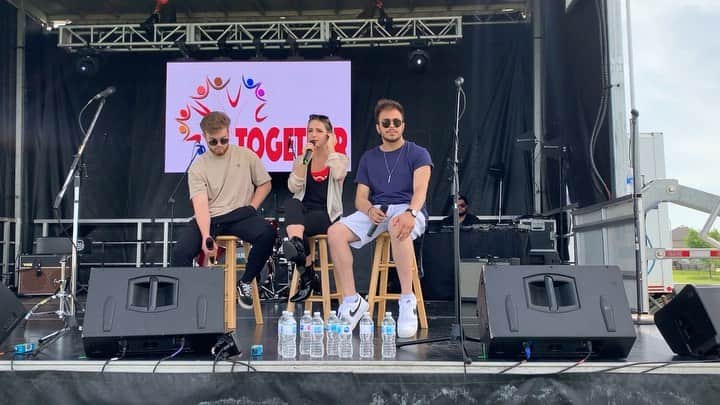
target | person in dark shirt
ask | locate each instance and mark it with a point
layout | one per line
(465, 217)
(392, 182)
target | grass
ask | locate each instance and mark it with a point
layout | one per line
(696, 277)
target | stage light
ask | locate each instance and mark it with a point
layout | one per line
(259, 48)
(186, 50)
(149, 24)
(418, 58)
(227, 50)
(386, 22)
(293, 49)
(333, 45)
(87, 65)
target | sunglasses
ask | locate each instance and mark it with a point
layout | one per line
(318, 117)
(222, 141)
(396, 122)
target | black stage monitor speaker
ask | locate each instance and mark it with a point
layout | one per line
(689, 323)
(12, 312)
(554, 311)
(153, 310)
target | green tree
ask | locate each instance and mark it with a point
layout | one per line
(693, 239)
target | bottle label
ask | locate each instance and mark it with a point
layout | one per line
(366, 329)
(306, 327)
(388, 330)
(317, 329)
(346, 330)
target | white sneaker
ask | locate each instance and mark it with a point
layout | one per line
(407, 318)
(353, 312)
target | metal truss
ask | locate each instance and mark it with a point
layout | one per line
(269, 35)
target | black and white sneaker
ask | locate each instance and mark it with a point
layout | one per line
(244, 295)
(354, 311)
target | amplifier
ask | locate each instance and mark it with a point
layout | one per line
(39, 274)
(470, 271)
(542, 234)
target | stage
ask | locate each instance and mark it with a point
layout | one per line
(428, 373)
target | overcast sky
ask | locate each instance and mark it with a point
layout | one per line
(677, 81)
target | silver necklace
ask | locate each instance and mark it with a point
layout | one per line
(387, 167)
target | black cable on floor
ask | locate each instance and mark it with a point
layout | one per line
(182, 346)
(122, 355)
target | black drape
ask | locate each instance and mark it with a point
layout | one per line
(8, 20)
(573, 94)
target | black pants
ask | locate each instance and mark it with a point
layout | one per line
(244, 223)
(316, 222)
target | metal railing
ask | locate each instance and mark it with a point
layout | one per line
(141, 226)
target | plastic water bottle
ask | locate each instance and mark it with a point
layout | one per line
(281, 323)
(388, 336)
(345, 346)
(367, 334)
(289, 349)
(332, 328)
(317, 349)
(305, 335)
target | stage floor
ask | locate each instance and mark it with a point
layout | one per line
(650, 350)
(422, 374)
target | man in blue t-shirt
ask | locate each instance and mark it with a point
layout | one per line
(393, 176)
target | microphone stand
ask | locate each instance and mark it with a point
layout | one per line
(457, 332)
(66, 310)
(171, 200)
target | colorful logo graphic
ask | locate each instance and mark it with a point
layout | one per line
(189, 117)
(268, 104)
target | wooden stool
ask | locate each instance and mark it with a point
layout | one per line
(229, 242)
(381, 264)
(318, 243)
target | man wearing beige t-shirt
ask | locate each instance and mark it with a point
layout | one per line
(227, 186)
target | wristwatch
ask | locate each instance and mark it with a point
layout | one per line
(412, 212)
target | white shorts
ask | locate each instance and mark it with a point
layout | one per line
(359, 223)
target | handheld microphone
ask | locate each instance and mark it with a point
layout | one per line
(105, 93)
(308, 154)
(200, 148)
(374, 226)
(459, 81)
(209, 244)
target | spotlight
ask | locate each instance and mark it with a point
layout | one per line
(87, 65)
(186, 50)
(149, 24)
(259, 48)
(418, 58)
(293, 48)
(384, 20)
(227, 50)
(333, 45)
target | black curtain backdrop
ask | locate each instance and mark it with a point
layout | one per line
(573, 93)
(8, 21)
(124, 161)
